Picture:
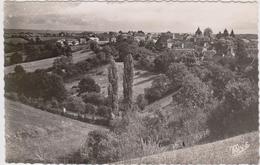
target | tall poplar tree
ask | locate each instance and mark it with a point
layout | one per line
(128, 81)
(113, 86)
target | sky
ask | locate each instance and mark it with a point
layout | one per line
(149, 16)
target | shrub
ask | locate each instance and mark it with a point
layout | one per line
(19, 69)
(104, 111)
(100, 147)
(220, 76)
(23, 99)
(94, 46)
(75, 104)
(94, 98)
(193, 92)
(88, 84)
(38, 84)
(160, 87)
(176, 72)
(238, 111)
(16, 58)
(90, 109)
(141, 101)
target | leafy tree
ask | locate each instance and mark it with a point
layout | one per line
(193, 92)
(94, 46)
(67, 51)
(160, 86)
(38, 40)
(176, 73)
(238, 112)
(241, 54)
(123, 49)
(88, 84)
(141, 101)
(100, 147)
(221, 47)
(219, 76)
(208, 32)
(161, 43)
(103, 57)
(38, 84)
(219, 35)
(16, 58)
(60, 64)
(110, 50)
(142, 43)
(240, 94)
(104, 111)
(90, 109)
(94, 98)
(150, 45)
(75, 104)
(19, 69)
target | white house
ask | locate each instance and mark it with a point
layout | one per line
(94, 39)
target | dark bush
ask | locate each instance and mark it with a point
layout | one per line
(104, 111)
(88, 84)
(75, 104)
(90, 109)
(141, 101)
(19, 69)
(94, 98)
(16, 58)
(100, 147)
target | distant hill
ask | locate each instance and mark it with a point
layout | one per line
(33, 135)
(247, 152)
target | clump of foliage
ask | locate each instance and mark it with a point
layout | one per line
(160, 87)
(38, 84)
(113, 86)
(16, 58)
(75, 104)
(94, 98)
(88, 84)
(128, 80)
(100, 147)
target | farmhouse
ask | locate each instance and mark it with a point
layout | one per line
(93, 38)
(72, 42)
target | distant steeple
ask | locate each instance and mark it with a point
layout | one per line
(198, 32)
(225, 33)
(232, 34)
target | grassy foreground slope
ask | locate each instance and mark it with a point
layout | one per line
(240, 149)
(33, 135)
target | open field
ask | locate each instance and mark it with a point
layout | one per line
(33, 135)
(16, 41)
(142, 80)
(236, 150)
(47, 63)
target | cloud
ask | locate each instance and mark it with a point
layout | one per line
(178, 17)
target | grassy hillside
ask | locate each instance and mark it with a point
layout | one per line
(47, 63)
(217, 152)
(33, 135)
(142, 79)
